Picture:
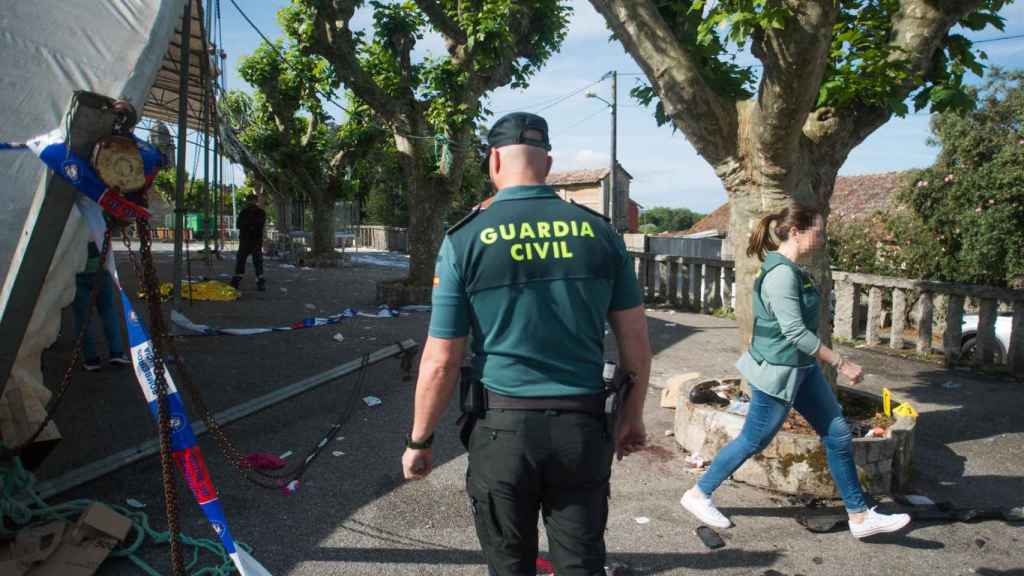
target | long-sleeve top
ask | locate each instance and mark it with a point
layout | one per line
(780, 291)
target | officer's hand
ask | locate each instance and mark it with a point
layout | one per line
(632, 437)
(417, 464)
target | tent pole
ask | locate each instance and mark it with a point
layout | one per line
(181, 176)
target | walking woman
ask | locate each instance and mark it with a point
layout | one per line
(782, 367)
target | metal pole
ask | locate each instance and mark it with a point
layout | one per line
(181, 176)
(613, 204)
(218, 176)
(203, 81)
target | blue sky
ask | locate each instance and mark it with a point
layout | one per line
(666, 169)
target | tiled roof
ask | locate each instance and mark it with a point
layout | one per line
(589, 176)
(853, 197)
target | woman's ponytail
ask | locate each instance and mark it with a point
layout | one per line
(778, 225)
(761, 241)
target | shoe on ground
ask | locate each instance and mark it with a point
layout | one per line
(92, 365)
(701, 506)
(121, 360)
(875, 523)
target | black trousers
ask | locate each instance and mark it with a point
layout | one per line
(244, 250)
(528, 462)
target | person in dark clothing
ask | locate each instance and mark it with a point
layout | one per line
(250, 224)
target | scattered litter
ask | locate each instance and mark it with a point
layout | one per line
(695, 461)
(222, 275)
(288, 266)
(818, 560)
(642, 520)
(709, 537)
(702, 393)
(950, 385)
(918, 500)
(372, 401)
(337, 453)
(284, 290)
(340, 438)
(264, 461)
(738, 407)
(339, 337)
(310, 306)
(135, 503)
(291, 488)
(876, 432)
(669, 433)
(980, 542)
(286, 455)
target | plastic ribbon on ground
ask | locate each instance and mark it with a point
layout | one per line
(186, 453)
(53, 151)
(184, 322)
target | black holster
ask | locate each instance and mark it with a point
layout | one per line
(616, 393)
(472, 402)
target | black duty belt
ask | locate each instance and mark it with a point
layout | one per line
(589, 403)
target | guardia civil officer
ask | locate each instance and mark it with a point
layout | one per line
(534, 278)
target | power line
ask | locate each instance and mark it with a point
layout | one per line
(998, 39)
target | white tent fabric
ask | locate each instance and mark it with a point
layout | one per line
(49, 49)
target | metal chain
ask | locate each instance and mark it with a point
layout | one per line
(273, 480)
(151, 286)
(73, 363)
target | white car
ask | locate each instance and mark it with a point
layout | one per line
(969, 340)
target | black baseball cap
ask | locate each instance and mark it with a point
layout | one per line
(512, 128)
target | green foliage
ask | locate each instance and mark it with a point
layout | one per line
(649, 229)
(862, 67)
(963, 215)
(195, 191)
(439, 83)
(669, 219)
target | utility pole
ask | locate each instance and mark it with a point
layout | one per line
(613, 204)
(179, 188)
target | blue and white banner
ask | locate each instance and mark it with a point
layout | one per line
(52, 150)
(187, 454)
(184, 322)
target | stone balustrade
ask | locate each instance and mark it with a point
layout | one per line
(704, 284)
(892, 297)
(698, 275)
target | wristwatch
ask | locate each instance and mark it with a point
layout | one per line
(410, 443)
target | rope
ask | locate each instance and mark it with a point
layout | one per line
(21, 505)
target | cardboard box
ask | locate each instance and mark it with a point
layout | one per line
(62, 549)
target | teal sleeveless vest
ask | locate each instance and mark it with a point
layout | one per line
(768, 344)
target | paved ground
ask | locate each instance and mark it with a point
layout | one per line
(355, 515)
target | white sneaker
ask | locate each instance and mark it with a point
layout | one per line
(875, 523)
(701, 506)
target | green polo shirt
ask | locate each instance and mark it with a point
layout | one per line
(534, 277)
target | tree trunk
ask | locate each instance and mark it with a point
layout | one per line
(748, 204)
(323, 228)
(428, 198)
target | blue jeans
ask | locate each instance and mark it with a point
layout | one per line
(817, 403)
(107, 307)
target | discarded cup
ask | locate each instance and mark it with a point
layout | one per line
(339, 337)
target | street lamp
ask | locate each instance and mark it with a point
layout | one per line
(613, 105)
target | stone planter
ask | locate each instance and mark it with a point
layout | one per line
(795, 463)
(396, 293)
